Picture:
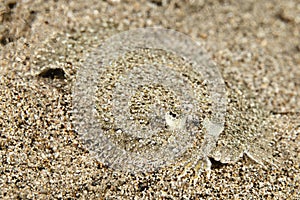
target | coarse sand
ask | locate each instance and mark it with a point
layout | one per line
(43, 44)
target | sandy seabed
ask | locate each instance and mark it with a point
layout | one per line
(255, 44)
